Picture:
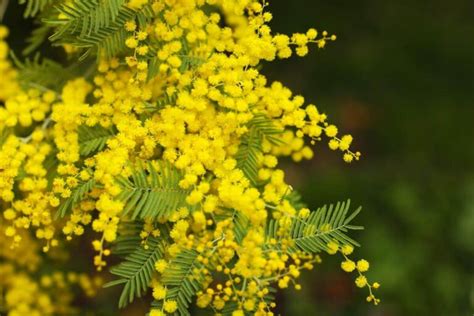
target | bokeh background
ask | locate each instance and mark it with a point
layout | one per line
(400, 78)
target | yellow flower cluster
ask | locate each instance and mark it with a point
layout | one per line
(33, 208)
(26, 108)
(181, 136)
(26, 224)
(360, 267)
(50, 295)
(8, 85)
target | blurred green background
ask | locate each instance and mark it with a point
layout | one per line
(400, 78)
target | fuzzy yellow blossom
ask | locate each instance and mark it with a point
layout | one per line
(156, 312)
(362, 265)
(361, 281)
(159, 292)
(332, 247)
(170, 306)
(348, 265)
(160, 265)
(347, 249)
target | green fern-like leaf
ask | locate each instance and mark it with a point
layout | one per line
(190, 62)
(33, 7)
(96, 26)
(93, 139)
(137, 270)
(37, 37)
(247, 155)
(4, 134)
(153, 67)
(77, 196)
(229, 308)
(88, 16)
(240, 221)
(322, 226)
(241, 224)
(162, 102)
(260, 128)
(110, 41)
(44, 73)
(152, 193)
(51, 164)
(181, 281)
(266, 128)
(128, 239)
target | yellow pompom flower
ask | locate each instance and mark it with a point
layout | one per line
(161, 265)
(361, 281)
(347, 249)
(362, 265)
(159, 292)
(170, 306)
(156, 312)
(348, 265)
(332, 248)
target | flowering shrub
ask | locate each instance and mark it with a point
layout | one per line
(160, 138)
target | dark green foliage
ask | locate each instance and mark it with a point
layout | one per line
(96, 26)
(322, 226)
(36, 38)
(128, 239)
(51, 164)
(93, 139)
(247, 156)
(190, 62)
(260, 128)
(241, 224)
(153, 67)
(34, 7)
(4, 133)
(265, 128)
(416, 172)
(87, 17)
(162, 102)
(153, 193)
(44, 73)
(137, 270)
(181, 281)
